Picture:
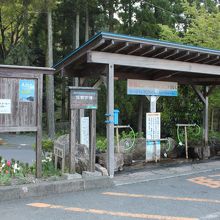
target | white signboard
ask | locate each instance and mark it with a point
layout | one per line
(5, 106)
(152, 133)
(84, 131)
(151, 87)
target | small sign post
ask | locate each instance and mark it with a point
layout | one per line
(152, 136)
(84, 131)
(152, 90)
(83, 98)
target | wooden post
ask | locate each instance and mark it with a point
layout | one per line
(117, 139)
(72, 146)
(204, 98)
(92, 142)
(140, 116)
(110, 125)
(39, 127)
(63, 108)
(212, 119)
(206, 117)
(186, 142)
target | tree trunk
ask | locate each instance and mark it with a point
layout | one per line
(77, 30)
(87, 22)
(26, 40)
(111, 15)
(50, 80)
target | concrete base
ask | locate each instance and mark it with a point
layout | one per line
(51, 188)
(74, 176)
(91, 174)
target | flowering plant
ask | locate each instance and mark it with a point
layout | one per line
(8, 167)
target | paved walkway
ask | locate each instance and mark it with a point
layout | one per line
(165, 172)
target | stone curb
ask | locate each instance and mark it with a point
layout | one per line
(50, 188)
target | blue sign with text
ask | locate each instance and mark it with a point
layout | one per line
(26, 90)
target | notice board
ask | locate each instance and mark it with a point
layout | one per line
(152, 133)
(18, 102)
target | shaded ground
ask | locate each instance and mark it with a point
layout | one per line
(18, 146)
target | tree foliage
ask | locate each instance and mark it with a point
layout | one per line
(23, 40)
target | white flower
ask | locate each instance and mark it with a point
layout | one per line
(48, 158)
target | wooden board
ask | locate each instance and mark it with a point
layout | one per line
(23, 113)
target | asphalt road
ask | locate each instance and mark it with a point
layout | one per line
(18, 147)
(179, 198)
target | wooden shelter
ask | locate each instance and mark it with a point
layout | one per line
(110, 56)
(21, 94)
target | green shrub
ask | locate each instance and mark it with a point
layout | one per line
(101, 144)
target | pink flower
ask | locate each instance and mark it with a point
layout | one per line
(8, 163)
(6, 171)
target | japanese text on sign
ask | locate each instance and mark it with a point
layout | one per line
(148, 87)
(83, 99)
(26, 90)
(152, 136)
(5, 106)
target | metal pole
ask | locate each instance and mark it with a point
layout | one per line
(110, 125)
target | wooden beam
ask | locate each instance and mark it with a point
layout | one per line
(75, 56)
(98, 83)
(139, 47)
(193, 57)
(152, 48)
(111, 43)
(160, 53)
(122, 48)
(199, 93)
(211, 60)
(172, 54)
(4, 69)
(153, 63)
(17, 129)
(183, 56)
(203, 58)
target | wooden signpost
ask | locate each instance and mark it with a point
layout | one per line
(21, 91)
(152, 90)
(83, 98)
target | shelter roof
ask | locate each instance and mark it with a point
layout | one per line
(25, 69)
(169, 61)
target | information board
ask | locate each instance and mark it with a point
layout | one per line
(151, 88)
(152, 133)
(5, 106)
(84, 131)
(83, 98)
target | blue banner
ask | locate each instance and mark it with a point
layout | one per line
(26, 90)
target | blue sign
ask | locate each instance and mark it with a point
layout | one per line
(154, 92)
(151, 88)
(26, 90)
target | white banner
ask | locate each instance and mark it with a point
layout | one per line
(152, 133)
(84, 131)
(5, 106)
